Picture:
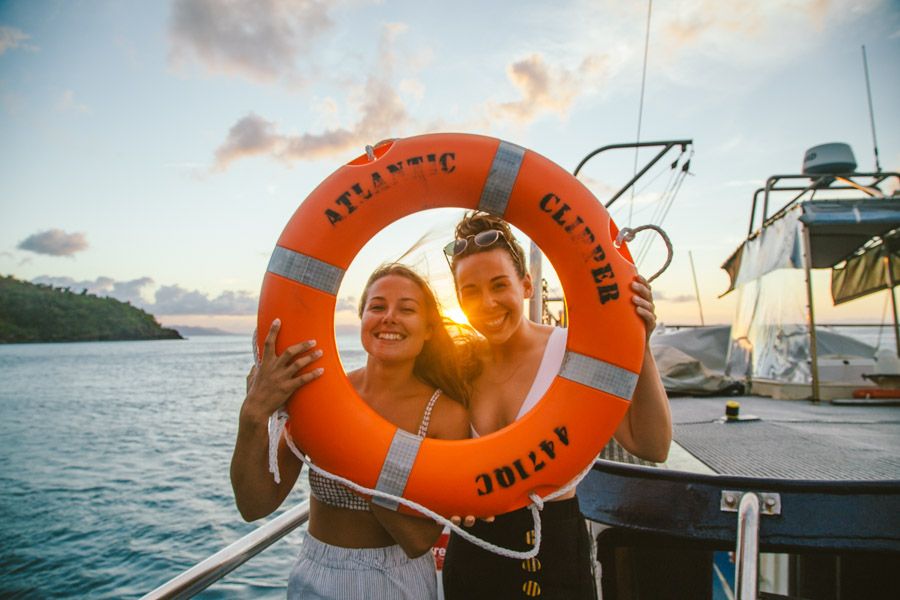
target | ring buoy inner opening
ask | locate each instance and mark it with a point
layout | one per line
(559, 437)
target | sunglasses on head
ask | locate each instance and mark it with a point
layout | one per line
(482, 239)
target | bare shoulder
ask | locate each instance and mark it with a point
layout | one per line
(449, 419)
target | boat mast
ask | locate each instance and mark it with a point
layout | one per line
(871, 110)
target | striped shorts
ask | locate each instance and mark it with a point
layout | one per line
(330, 572)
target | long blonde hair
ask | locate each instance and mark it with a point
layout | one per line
(447, 360)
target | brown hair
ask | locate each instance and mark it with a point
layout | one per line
(446, 361)
(474, 223)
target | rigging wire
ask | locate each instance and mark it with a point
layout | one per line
(871, 110)
(667, 203)
(672, 174)
(659, 205)
(655, 205)
(667, 200)
(641, 105)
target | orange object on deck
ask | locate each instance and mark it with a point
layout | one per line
(553, 442)
(874, 392)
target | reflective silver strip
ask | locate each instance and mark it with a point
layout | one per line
(306, 270)
(599, 375)
(397, 465)
(500, 179)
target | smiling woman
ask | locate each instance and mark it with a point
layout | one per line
(410, 380)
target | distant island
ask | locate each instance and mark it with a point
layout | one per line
(42, 313)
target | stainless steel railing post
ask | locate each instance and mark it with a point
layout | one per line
(747, 553)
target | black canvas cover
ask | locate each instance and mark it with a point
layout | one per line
(866, 272)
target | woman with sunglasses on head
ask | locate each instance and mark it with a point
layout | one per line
(519, 361)
(412, 378)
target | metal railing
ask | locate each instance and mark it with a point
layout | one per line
(203, 574)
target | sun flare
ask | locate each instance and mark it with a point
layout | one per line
(455, 314)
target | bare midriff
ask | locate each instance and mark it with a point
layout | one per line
(346, 528)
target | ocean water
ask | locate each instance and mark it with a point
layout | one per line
(114, 463)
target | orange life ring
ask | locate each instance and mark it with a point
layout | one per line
(567, 429)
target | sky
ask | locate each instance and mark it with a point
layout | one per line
(153, 151)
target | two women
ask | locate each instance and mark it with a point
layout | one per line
(400, 326)
(355, 549)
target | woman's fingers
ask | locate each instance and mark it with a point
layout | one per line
(269, 345)
(291, 353)
(643, 301)
(642, 288)
(468, 521)
(648, 316)
(284, 374)
(303, 362)
(297, 382)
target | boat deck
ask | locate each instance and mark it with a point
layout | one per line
(833, 471)
(795, 439)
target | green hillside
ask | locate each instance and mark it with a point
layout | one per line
(42, 313)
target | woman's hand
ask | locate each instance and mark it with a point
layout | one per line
(643, 300)
(277, 377)
(469, 520)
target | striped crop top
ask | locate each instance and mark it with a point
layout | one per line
(335, 494)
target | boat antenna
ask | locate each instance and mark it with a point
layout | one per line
(871, 110)
(640, 106)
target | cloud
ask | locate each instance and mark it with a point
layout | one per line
(381, 111)
(167, 299)
(661, 296)
(347, 303)
(252, 135)
(545, 87)
(258, 39)
(54, 242)
(689, 38)
(175, 300)
(11, 38)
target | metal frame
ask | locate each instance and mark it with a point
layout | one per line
(667, 145)
(205, 573)
(817, 182)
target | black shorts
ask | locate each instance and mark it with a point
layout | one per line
(562, 568)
